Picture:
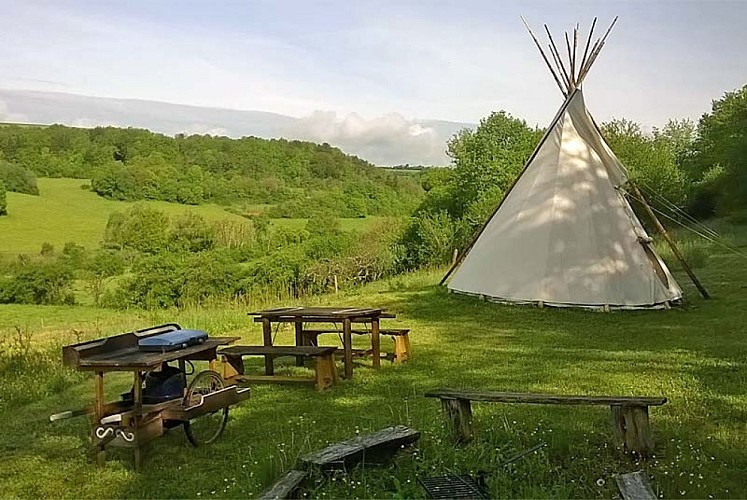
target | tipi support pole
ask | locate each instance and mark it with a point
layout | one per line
(662, 230)
(586, 49)
(549, 66)
(560, 60)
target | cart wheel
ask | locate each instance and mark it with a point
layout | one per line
(206, 428)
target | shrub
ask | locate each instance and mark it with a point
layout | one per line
(3, 200)
(100, 270)
(189, 232)
(696, 252)
(38, 282)
(47, 249)
(140, 228)
(18, 179)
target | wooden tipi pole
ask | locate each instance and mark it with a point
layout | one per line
(662, 230)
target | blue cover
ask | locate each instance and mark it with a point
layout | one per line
(171, 341)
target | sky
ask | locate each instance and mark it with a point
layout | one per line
(454, 61)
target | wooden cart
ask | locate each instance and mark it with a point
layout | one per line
(129, 422)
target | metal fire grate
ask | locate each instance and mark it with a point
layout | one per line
(452, 487)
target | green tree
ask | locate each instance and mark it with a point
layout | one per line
(140, 228)
(651, 160)
(18, 179)
(489, 158)
(47, 249)
(3, 200)
(722, 144)
(100, 270)
(38, 282)
(191, 233)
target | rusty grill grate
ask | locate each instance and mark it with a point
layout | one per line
(452, 487)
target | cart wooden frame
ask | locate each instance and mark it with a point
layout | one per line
(133, 424)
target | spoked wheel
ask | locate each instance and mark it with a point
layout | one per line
(206, 428)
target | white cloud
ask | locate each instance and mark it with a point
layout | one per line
(388, 139)
(7, 116)
(202, 129)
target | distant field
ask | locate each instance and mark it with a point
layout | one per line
(64, 212)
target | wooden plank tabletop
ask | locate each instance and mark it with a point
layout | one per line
(278, 350)
(131, 358)
(318, 313)
(514, 397)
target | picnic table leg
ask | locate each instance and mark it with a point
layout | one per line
(138, 400)
(267, 335)
(98, 414)
(347, 340)
(376, 343)
(299, 341)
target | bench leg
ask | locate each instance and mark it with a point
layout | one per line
(633, 429)
(459, 414)
(326, 372)
(300, 341)
(98, 414)
(376, 343)
(347, 340)
(267, 338)
(228, 366)
(401, 348)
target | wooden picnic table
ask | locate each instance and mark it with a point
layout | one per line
(345, 315)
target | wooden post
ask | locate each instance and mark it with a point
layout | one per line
(98, 414)
(347, 340)
(670, 241)
(336, 288)
(633, 429)
(137, 390)
(299, 340)
(326, 372)
(454, 256)
(402, 348)
(459, 414)
(231, 366)
(376, 343)
(267, 337)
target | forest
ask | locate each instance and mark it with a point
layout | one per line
(134, 164)
(149, 259)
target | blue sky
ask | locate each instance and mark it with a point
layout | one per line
(444, 60)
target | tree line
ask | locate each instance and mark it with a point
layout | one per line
(134, 164)
(699, 168)
(149, 260)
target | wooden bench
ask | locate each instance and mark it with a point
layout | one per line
(285, 486)
(401, 339)
(369, 447)
(629, 414)
(232, 368)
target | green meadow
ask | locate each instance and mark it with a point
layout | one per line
(64, 212)
(695, 355)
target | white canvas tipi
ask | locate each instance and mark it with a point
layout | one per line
(565, 235)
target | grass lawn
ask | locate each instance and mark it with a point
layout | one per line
(695, 355)
(64, 212)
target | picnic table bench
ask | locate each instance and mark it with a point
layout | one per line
(400, 336)
(629, 413)
(324, 367)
